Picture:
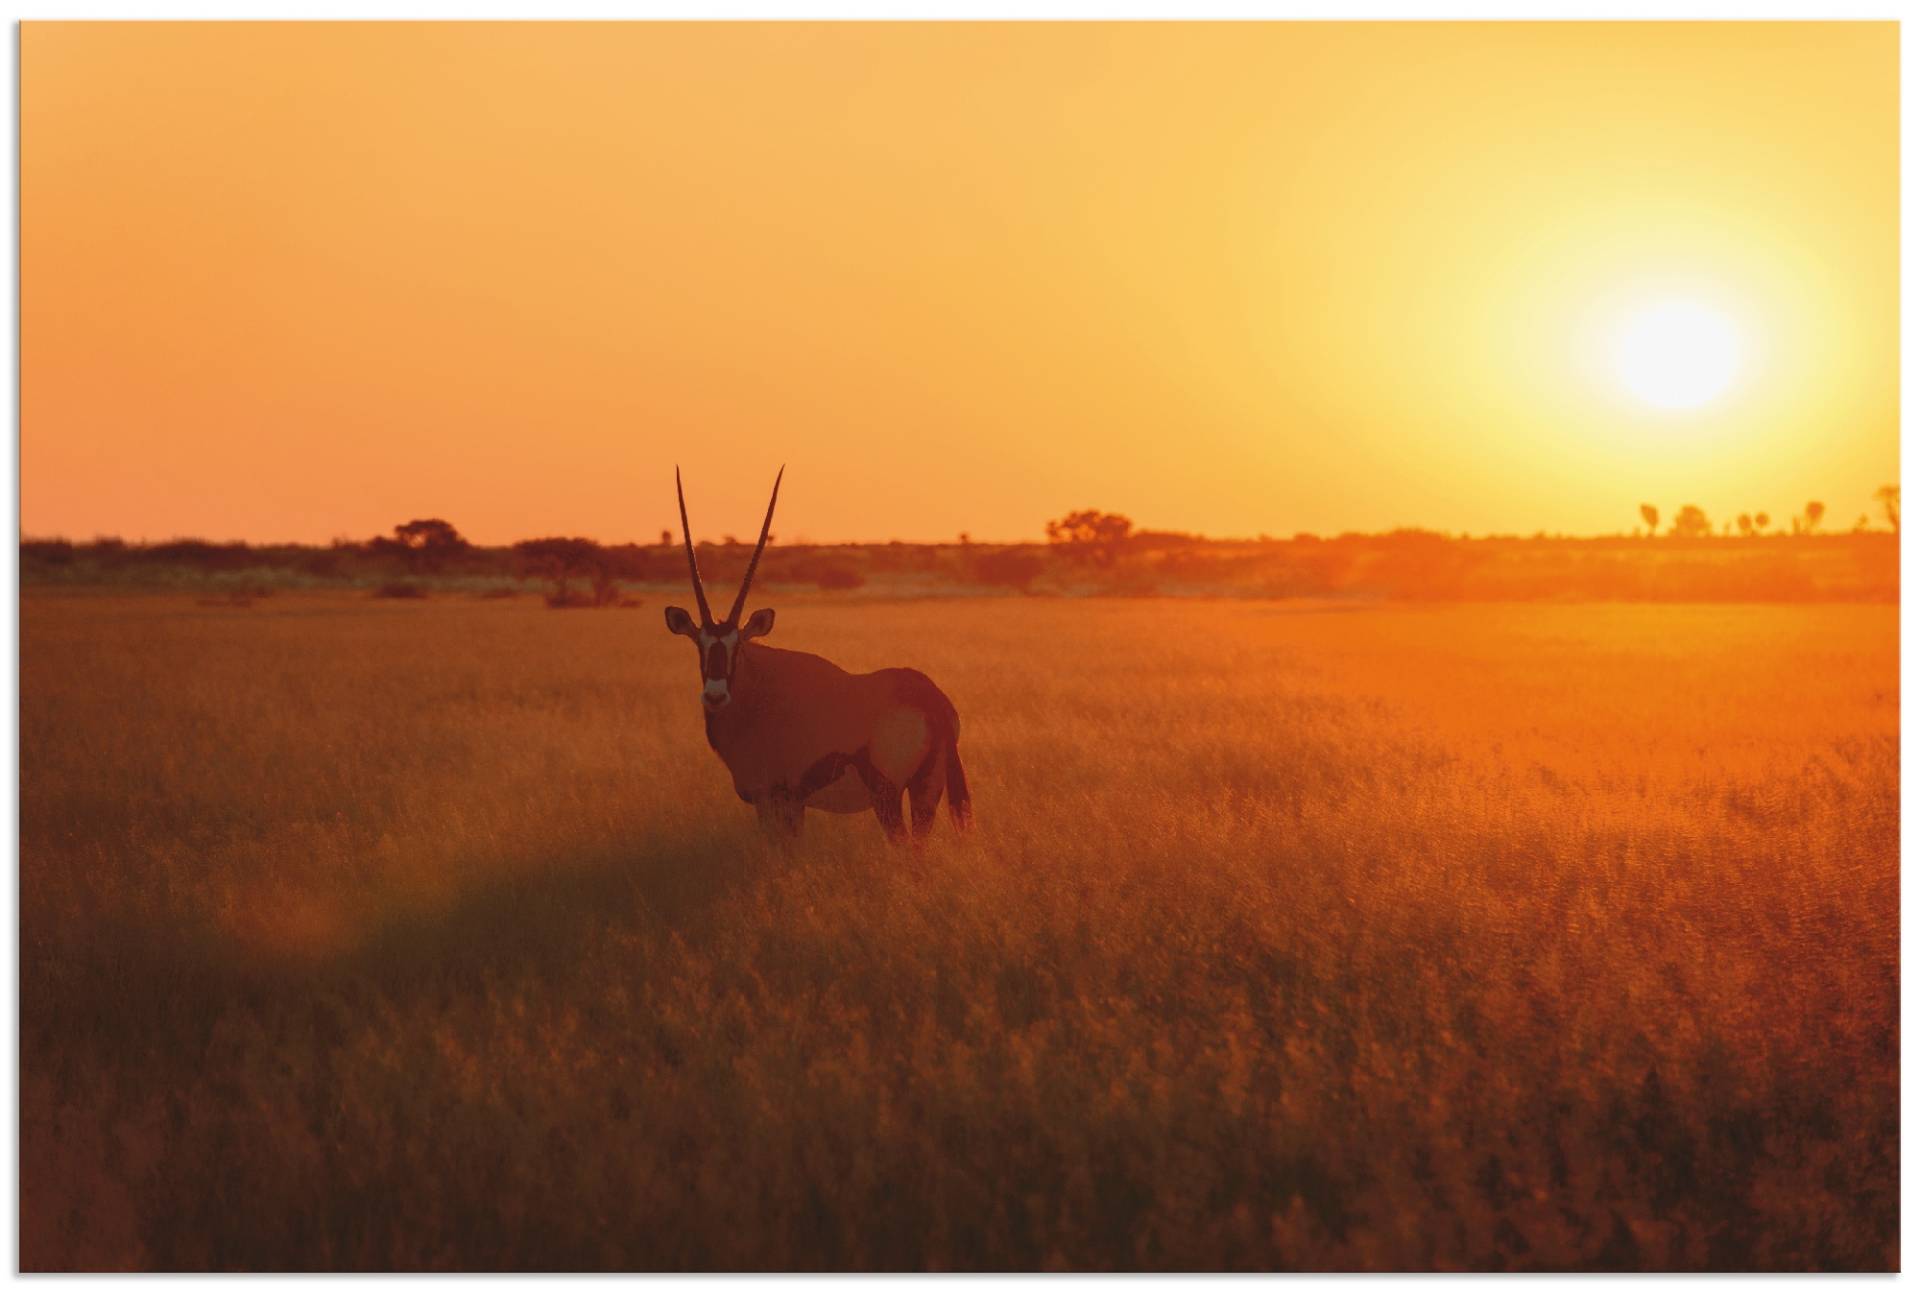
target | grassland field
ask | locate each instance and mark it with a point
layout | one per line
(1291, 935)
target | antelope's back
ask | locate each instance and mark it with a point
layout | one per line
(806, 708)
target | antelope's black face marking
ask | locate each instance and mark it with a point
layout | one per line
(719, 646)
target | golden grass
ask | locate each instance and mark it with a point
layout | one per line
(364, 935)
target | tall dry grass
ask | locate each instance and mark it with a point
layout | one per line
(367, 935)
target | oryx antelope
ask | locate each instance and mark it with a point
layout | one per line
(798, 732)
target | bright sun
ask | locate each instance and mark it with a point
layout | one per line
(1676, 353)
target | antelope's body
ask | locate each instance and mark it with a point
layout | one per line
(802, 732)
(797, 731)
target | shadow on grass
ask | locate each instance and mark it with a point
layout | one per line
(139, 986)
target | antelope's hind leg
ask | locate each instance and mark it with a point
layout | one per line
(885, 793)
(886, 806)
(923, 792)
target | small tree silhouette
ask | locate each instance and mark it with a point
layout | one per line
(1650, 514)
(423, 544)
(1691, 522)
(1760, 521)
(560, 559)
(1096, 537)
(1815, 511)
(1746, 525)
(1888, 496)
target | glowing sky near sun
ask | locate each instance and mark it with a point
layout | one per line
(287, 281)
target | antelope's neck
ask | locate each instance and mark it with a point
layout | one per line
(744, 709)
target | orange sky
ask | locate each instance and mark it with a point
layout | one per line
(292, 281)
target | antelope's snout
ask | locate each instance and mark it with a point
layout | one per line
(714, 696)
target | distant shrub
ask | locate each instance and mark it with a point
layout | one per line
(829, 573)
(1160, 540)
(838, 576)
(321, 563)
(631, 561)
(199, 552)
(51, 551)
(1010, 567)
(894, 557)
(561, 559)
(401, 591)
(606, 586)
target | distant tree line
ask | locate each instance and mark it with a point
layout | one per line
(1690, 521)
(1085, 550)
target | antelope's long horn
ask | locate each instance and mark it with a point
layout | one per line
(693, 566)
(754, 564)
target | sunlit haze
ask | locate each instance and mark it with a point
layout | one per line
(290, 281)
(1678, 354)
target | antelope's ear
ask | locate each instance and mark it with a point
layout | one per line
(679, 621)
(759, 624)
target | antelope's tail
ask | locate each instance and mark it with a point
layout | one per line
(917, 689)
(959, 800)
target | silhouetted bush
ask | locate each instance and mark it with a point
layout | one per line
(839, 576)
(1691, 522)
(1420, 565)
(401, 591)
(49, 551)
(561, 559)
(895, 557)
(425, 545)
(631, 561)
(1096, 537)
(200, 553)
(828, 573)
(1009, 567)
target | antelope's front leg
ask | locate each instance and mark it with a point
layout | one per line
(886, 801)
